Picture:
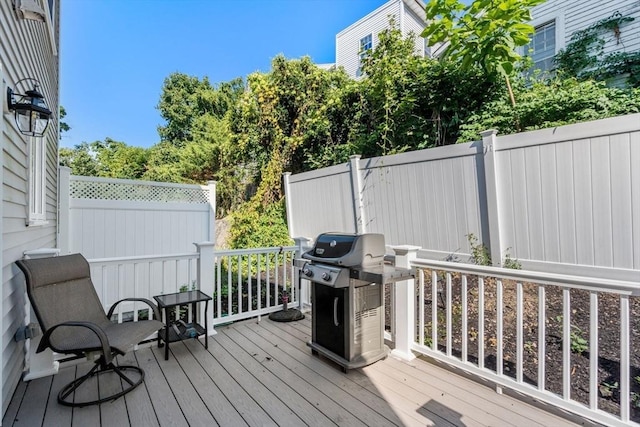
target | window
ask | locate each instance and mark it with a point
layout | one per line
(543, 46)
(366, 44)
(37, 181)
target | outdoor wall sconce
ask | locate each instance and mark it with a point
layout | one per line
(31, 111)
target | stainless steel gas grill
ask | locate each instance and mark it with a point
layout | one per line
(347, 272)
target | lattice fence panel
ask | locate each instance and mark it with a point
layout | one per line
(100, 190)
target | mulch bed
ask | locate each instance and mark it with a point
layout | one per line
(608, 337)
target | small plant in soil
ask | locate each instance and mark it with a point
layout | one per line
(578, 343)
(607, 389)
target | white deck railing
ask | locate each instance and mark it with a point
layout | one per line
(141, 277)
(501, 325)
(251, 282)
(243, 283)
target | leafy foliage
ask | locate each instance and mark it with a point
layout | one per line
(258, 226)
(551, 103)
(108, 158)
(484, 33)
(585, 58)
(64, 126)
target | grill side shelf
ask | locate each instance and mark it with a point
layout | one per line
(381, 274)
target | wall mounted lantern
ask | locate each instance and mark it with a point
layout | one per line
(30, 108)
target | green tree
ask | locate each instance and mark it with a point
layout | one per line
(284, 120)
(397, 112)
(119, 160)
(81, 159)
(64, 127)
(185, 98)
(482, 34)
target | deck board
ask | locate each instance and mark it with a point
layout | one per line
(58, 415)
(263, 373)
(277, 348)
(145, 414)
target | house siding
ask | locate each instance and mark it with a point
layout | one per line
(576, 15)
(414, 24)
(348, 40)
(26, 50)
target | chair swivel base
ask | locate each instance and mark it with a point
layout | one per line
(67, 395)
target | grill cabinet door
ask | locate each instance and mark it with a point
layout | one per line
(329, 307)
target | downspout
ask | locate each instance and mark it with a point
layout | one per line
(401, 19)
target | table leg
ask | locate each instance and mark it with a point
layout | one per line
(166, 334)
(206, 324)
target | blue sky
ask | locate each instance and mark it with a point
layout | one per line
(115, 54)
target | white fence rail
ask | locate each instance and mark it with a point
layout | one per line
(564, 199)
(519, 329)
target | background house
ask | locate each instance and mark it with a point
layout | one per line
(29, 43)
(357, 38)
(556, 21)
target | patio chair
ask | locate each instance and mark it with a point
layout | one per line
(74, 322)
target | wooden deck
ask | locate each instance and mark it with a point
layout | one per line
(263, 374)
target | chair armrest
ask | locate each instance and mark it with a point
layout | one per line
(104, 340)
(156, 312)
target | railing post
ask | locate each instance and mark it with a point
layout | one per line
(211, 186)
(491, 185)
(205, 275)
(40, 364)
(358, 194)
(405, 301)
(304, 290)
(288, 200)
(64, 213)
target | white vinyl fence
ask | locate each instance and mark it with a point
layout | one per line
(104, 218)
(564, 200)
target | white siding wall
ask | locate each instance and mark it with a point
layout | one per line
(26, 50)
(414, 23)
(348, 40)
(576, 15)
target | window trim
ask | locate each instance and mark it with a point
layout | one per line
(50, 18)
(363, 52)
(37, 181)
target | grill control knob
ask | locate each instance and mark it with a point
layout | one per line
(307, 272)
(326, 276)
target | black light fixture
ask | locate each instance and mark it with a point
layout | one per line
(30, 108)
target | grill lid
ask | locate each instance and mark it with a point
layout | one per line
(348, 250)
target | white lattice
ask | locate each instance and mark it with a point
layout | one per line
(144, 191)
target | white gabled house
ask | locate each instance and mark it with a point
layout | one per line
(29, 45)
(357, 38)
